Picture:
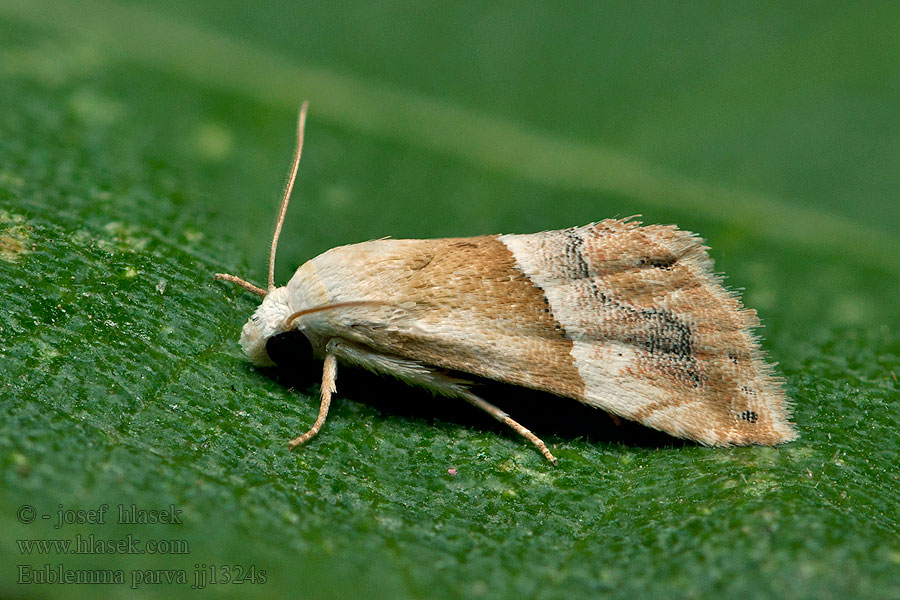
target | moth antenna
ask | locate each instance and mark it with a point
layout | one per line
(286, 197)
(244, 284)
(290, 320)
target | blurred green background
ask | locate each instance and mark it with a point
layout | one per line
(143, 146)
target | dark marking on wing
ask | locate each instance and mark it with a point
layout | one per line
(749, 415)
(665, 337)
(574, 257)
(660, 262)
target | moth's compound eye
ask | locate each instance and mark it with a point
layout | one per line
(290, 347)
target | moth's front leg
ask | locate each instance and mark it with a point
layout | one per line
(329, 377)
(418, 374)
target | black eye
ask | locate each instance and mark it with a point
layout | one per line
(290, 347)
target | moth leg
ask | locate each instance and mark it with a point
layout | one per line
(506, 419)
(418, 374)
(329, 376)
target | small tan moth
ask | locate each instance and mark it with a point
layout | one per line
(627, 318)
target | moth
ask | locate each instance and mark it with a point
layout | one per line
(627, 318)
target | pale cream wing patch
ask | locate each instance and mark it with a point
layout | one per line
(656, 337)
(460, 304)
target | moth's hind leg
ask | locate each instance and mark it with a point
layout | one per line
(505, 418)
(329, 377)
(421, 375)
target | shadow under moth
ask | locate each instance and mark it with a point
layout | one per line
(627, 318)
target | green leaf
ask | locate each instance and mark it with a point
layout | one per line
(143, 147)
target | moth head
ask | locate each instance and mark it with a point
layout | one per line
(270, 336)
